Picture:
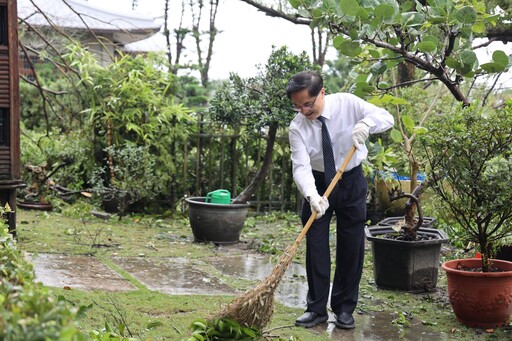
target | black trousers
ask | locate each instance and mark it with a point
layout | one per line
(349, 206)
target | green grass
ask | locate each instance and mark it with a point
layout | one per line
(150, 315)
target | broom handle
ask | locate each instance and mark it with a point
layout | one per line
(328, 191)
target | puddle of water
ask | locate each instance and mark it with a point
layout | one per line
(292, 289)
(174, 276)
(77, 272)
(377, 326)
(180, 276)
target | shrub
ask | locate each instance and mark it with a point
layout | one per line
(28, 310)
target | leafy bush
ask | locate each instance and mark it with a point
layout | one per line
(222, 329)
(54, 148)
(28, 310)
(470, 160)
(130, 177)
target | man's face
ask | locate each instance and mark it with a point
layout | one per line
(311, 107)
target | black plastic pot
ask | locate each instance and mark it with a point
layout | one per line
(35, 206)
(504, 252)
(404, 265)
(217, 223)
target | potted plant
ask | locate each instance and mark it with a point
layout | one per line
(37, 194)
(255, 105)
(406, 251)
(470, 159)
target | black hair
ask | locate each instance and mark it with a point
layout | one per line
(310, 80)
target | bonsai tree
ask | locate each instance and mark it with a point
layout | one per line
(259, 104)
(469, 154)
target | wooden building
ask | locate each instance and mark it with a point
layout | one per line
(103, 31)
(9, 110)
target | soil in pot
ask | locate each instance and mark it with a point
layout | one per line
(393, 221)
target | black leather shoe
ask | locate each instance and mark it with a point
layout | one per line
(310, 319)
(345, 321)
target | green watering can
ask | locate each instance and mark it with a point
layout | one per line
(220, 196)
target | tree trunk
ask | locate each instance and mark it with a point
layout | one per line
(262, 173)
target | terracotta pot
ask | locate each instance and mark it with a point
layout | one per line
(217, 223)
(480, 299)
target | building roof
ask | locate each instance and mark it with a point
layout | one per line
(126, 27)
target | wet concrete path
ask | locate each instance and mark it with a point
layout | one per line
(180, 276)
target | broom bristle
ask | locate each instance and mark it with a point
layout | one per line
(256, 306)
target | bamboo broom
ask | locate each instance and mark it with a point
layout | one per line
(256, 306)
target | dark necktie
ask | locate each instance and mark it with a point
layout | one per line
(329, 165)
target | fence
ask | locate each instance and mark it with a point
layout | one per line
(216, 157)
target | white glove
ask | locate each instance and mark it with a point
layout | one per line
(360, 133)
(319, 204)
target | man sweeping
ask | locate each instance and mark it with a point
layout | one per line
(321, 134)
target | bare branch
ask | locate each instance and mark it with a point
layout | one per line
(293, 18)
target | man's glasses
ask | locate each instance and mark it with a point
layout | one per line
(307, 106)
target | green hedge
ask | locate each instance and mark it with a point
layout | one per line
(30, 311)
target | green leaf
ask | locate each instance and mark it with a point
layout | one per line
(396, 136)
(430, 38)
(420, 130)
(466, 15)
(478, 27)
(389, 99)
(408, 122)
(413, 18)
(493, 67)
(466, 69)
(199, 325)
(350, 48)
(384, 11)
(353, 33)
(337, 41)
(378, 68)
(468, 57)
(350, 7)
(361, 78)
(383, 85)
(361, 89)
(374, 53)
(427, 46)
(452, 62)
(363, 14)
(500, 57)
(295, 3)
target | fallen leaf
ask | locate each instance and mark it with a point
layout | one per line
(490, 330)
(86, 194)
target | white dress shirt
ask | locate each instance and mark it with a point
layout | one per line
(342, 111)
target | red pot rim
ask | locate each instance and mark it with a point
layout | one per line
(451, 267)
